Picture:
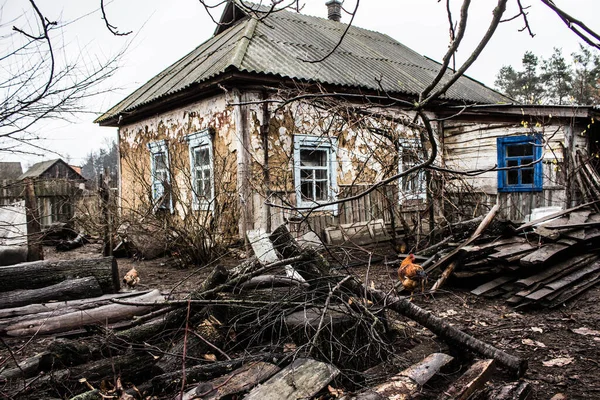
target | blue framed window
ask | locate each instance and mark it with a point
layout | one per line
(315, 170)
(161, 175)
(519, 154)
(202, 169)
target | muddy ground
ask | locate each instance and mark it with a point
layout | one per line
(570, 333)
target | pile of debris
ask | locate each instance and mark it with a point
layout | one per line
(311, 332)
(545, 262)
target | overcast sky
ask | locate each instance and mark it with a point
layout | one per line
(164, 31)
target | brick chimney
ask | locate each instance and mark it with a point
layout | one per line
(334, 10)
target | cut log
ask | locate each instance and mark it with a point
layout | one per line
(472, 380)
(56, 309)
(67, 290)
(405, 384)
(239, 381)
(102, 315)
(37, 274)
(266, 254)
(303, 378)
(11, 255)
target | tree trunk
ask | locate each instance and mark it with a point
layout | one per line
(67, 290)
(102, 315)
(11, 316)
(37, 274)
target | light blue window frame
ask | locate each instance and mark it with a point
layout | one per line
(413, 186)
(201, 169)
(161, 174)
(312, 178)
(518, 179)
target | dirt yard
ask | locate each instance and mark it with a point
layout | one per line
(568, 337)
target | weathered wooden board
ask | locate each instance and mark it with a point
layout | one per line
(303, 378)
(543, 254)
(557, 269)
(486, 287)
(473, 379)
(239, 381)
(561, 283)
(575, 290)
(511, 250)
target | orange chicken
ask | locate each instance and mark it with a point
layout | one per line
(411, 275)
(131, 278)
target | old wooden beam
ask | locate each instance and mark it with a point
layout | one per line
(472, 380)
(303, 378)
(239, 381)
(408, 382)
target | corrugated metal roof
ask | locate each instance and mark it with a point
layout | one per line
(38, 169)
(281, 44)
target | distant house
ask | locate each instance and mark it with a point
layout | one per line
(56, 186)
(242, 132)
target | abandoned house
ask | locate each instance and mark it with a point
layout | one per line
(260, 123)
(56, 187)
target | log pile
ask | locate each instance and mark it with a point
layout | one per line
(281, 325)
(545, 262)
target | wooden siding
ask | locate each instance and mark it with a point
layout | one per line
(472, 146)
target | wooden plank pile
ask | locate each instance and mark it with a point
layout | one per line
(281, 325)
(545, 263)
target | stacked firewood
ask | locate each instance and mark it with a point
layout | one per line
(545, 262)
(249, 330)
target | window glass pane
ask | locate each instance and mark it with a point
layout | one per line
(306, 174)
(519, 150)
(160, 161)
(526, 160)
(202, 157)
(321, 174)
(527, 176)
(313, 158)
(512, 177)
(321, 190)
(306, 190)
(206, 192)
(512, 163)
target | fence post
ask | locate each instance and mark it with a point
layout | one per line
(35, 250)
